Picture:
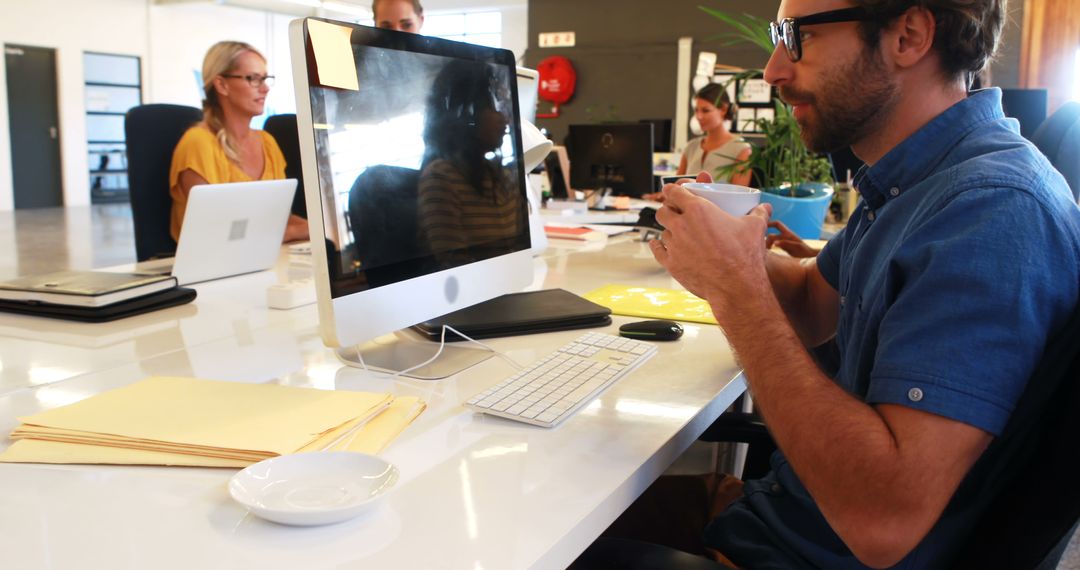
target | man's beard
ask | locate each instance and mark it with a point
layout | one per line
(852, 103)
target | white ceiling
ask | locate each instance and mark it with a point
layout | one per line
(356, 8)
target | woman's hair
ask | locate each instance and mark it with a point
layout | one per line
(220, 59)
(460, 93)
(717, 95)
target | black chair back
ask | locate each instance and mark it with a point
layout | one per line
(1059, 139)
(152, 132)
(283, 129)
(1028, 474)
(384, 220)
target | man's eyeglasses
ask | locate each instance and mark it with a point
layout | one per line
(253, 79)
(787, 30)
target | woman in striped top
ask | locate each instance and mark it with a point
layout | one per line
(470, 205)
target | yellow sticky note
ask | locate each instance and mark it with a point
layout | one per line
(653, 303)
(334, 61)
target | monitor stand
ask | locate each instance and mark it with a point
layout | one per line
(392, 353)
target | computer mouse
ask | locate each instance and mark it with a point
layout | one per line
(652, 330)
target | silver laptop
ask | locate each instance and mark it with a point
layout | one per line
(229, 229)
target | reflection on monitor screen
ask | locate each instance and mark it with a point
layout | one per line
(420, 185)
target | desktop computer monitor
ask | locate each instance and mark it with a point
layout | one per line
(417, 203)
(662, 134)
(612, 157)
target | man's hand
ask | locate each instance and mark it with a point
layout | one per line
(714, 255)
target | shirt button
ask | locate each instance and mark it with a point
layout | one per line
(843, 300)
(776, 488)
(870, 216)
(914, 394)
(894, 191)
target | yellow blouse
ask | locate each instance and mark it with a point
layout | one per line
(200, 151)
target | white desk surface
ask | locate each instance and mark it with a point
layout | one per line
(476, 492)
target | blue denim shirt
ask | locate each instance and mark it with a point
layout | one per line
(961, 261)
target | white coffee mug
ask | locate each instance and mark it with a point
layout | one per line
(731, 198)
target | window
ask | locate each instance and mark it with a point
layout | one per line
(113, 84)
(482, 28)
(1076, 76)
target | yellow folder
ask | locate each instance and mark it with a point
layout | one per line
(185, 421)
(653, 303)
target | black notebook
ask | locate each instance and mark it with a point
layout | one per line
(518, 314)
(137, 306)
(83, 288)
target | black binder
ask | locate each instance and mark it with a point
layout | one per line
(131, 307)
(518, 314)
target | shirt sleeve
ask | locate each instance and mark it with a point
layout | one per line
(198, 151)
(828, 259)
(973, 307)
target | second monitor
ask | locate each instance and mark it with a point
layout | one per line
(612, 157)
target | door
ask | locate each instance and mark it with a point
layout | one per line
(34, 122)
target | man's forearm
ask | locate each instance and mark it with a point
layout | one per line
(790, 279)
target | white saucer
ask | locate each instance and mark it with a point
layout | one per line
(307, 489)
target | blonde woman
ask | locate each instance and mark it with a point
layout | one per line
(223, 147)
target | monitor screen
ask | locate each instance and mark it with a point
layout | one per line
(616, 156)
(414, 143)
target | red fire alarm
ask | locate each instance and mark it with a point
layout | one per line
(557, 81)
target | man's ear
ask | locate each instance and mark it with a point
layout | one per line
(910, 38)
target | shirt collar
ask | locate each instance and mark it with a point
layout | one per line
(915, 158)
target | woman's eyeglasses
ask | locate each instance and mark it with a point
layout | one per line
(787, 30)
(253, 79)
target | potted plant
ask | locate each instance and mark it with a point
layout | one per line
(796, 181)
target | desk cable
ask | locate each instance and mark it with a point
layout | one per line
(442, 344)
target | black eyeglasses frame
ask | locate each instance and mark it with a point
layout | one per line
(253, 79)
(786, 31)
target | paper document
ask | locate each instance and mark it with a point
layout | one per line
(186, 421)
(653, 303)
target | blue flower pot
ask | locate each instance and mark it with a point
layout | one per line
(805, 212)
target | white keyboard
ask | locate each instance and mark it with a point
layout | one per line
(552, 388)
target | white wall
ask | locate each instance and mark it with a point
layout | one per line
(71, 27)
(171, 39)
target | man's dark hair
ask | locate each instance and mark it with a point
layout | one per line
(415, 6)
(967, 34)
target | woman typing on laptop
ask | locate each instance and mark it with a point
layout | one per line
(223, 147)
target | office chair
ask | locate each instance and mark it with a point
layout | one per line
(1024, 482)
(1027, 106)
(152, 132)
(283, 129)
(384, 220)
(1059, 139)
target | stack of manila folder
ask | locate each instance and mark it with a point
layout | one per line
(208, 423)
